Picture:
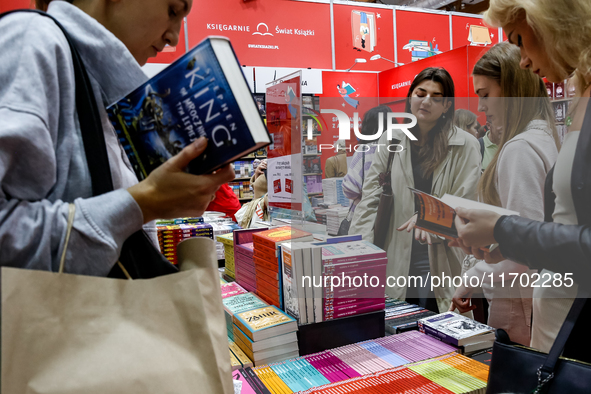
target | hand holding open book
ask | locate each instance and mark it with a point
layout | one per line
(467, 223)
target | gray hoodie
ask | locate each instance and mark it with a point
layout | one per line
(42, 159)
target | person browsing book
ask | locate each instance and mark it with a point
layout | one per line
(362, 158)
(444, 159)
(42, 162)
(562, 244)
(514, 179)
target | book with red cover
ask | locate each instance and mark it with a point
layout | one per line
(272, 238)
(263, 252)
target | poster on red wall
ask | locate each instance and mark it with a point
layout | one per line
(363, 33)
(396, 83)
(9, 5)
(472, 31)
(420, 35)
(267, 33)
(349, 93)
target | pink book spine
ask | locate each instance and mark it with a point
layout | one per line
(364, 259)
(246, 387)
(337, 315)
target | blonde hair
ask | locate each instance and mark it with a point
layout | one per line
(464, 118)
(524, 98)
(563, 27)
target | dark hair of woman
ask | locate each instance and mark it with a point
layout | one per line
(371, 120)
(434, 151)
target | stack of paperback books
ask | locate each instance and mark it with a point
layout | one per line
(237, 304)
(458, 330)
(267, 263)
(231, 289)
(333, 192)
(402, 316)
(266, 334)
(334, 217)
(244, 261)
(237, 357)
(320, 214)
(359, 269)
(227, 240)
(220, 227)
(169, 236)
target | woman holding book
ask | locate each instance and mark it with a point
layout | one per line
(543, 30)
(43, 165)
(516, 102)
(444, 159)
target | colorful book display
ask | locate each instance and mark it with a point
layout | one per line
(267, 258)
(409, 362)
(169, 236)
(266, 334)
(354, 260)
(244, 260)
(237, 304)
(227, 240)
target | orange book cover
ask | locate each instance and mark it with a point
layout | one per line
(267, 299)
(271, 238)
(265, 253)
(266, 264)
(270, 274)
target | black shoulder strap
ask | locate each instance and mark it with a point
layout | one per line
(481, 140)
(91, 129)
(549, 197)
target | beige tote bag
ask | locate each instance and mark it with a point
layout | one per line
(73, 334)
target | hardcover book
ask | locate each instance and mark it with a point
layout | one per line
(265, 322)
(203, 93)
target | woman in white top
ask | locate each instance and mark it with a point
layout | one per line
(515, 101)
(555, 41)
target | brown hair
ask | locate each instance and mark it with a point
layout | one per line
(464, 119)
(434, 151)
(524, 98)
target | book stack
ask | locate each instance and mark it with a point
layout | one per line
(320, 214)
(237, 357)
(266, 334)
(244, 259)
(354, 260)
(221, 228)
(402, 316)
(334, 217)
(313, 183)
(227, 240)
(333, 192)
(169, 236)
(457, 330)
(237, 304)
(267, 263)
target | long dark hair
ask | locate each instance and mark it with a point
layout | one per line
(434, 151)
(371, 120)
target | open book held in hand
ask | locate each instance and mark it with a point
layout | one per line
(437, 215)
(204, 93)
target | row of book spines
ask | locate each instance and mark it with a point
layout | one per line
(256, 384)
(241, 189)
(298, 374)
(456, 376)
(239, 355)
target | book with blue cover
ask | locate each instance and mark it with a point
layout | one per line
(203, 93)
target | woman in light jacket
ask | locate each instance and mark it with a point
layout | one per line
(443, 160)
(516, 101)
